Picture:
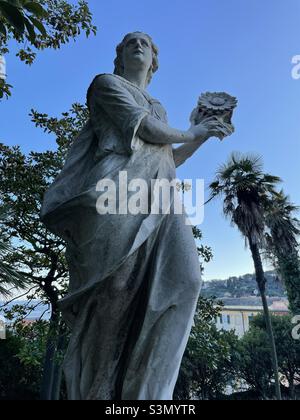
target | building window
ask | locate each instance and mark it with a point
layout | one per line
(228, 319)
(221, 319)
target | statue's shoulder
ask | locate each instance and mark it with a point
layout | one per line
(108, 82)
(108, 79)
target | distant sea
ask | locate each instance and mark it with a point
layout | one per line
(40, 309)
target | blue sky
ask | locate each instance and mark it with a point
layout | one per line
(242, 47)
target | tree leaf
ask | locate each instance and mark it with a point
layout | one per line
(30, 29)
(35, 8)
(38, 25)
(3, 29)
(13, 16)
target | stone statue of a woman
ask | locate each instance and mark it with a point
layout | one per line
(134, 278)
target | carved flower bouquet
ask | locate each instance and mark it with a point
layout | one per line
(218, 104)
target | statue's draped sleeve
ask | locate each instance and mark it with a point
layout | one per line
(117, 126)
(115, 116)
(69, 182)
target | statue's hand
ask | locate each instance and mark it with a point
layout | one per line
(222, 129)
(210, 127)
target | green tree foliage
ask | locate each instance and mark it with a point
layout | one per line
(283, 247)
(16, 382)
(288, 266)
(205, 252)
(23, 180)
(9, 278)
(254, 365)
(207, 365)
(23, 353)
(21, 16)
(21, 358)
(287, 347)
(38, 254)
(36, 26)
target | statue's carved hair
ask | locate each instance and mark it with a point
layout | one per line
(119, 66)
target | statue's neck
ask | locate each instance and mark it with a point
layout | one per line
(137, 78)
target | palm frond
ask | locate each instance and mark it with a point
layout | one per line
(247, 191)
(283, 225)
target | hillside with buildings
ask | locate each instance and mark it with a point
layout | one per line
(242, 302)
(243, 286)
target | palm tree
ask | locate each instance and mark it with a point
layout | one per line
(282, 246)
(247, 191)
(9, 278)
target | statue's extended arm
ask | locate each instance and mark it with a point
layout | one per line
(153, 130)
(184, 152)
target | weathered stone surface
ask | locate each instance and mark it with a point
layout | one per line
(134, 279)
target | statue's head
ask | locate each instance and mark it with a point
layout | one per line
(152, 59)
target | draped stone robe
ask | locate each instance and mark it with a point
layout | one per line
(134, 279)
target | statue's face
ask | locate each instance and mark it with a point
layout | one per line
(137, 52)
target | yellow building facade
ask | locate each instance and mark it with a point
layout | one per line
(238, 318)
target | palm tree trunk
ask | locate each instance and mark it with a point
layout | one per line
(261, 282)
